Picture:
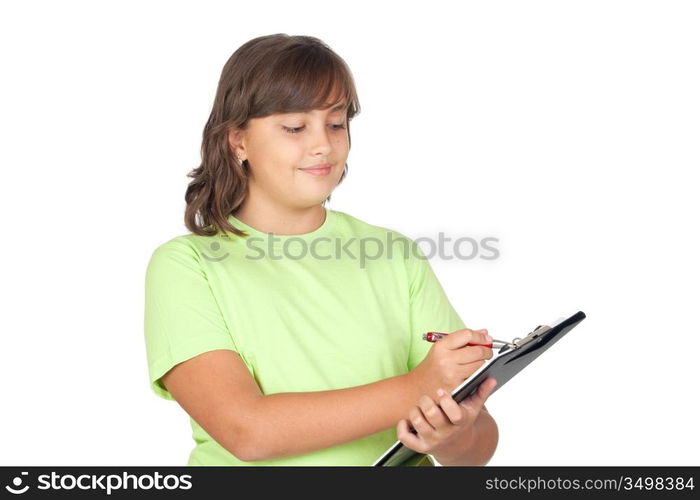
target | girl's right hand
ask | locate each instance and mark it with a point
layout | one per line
(451, 361)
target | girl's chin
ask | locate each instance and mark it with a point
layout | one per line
(314, 198)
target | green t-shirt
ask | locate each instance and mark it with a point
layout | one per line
(342, 306)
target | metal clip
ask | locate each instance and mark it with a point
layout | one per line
(518, 342)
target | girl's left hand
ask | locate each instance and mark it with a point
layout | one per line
(444, 427)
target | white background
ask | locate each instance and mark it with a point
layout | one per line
(568, 130)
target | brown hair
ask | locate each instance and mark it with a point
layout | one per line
(269, 74)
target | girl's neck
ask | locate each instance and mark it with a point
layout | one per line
(281, 220)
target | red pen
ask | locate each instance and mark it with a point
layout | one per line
(434, 336)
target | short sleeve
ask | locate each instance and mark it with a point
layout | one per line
(182, 318)
(430, 309)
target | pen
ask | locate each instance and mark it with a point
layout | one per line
(434, 336)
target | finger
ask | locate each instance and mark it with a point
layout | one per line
(472, 354)
(433, 413)
(460, 338)
(419, 422)
(454, 412)
(410, 440)
(486, 388)
(481, 337)
(475, 402)
(484, 391)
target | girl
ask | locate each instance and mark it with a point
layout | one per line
(289, 332)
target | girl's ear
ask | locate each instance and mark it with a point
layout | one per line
(235, 140)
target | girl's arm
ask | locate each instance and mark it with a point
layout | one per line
(216, 389)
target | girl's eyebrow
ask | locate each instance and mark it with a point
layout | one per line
(339, 107)
(335, 109)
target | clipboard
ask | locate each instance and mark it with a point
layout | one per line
(509, 361)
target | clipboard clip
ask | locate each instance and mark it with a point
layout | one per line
(537, 332)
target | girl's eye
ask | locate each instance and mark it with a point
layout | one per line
(296, 130)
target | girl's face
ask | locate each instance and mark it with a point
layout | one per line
(279, 147)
